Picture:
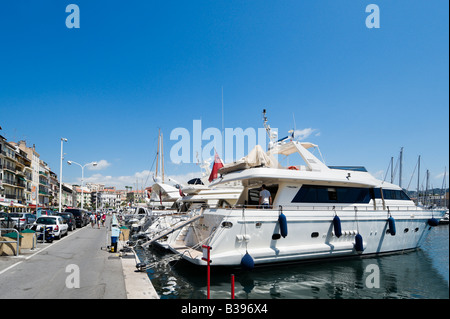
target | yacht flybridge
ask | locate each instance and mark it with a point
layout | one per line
(317, 212)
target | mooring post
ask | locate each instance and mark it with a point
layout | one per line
(207, 249)
(232, 286)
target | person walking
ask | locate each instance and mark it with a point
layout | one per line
(103, 219)
(92, 220)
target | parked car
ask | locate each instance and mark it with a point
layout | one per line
(23, 220)
(45, 212)
(70, 219)
(80, 215)
(58, 224)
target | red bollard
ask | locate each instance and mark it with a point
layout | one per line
(208, 260)
(232, 286)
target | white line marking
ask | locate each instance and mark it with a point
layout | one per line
(10, 267)
(38, 252)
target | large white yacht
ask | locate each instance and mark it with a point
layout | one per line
(317, 212)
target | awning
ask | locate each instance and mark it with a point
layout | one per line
(11, 204)
(34, 206)
(256, 158)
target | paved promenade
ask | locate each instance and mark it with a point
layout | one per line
(50, 271)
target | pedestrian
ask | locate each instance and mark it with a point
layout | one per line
(103, 219)
(98, 220)
(92, 220)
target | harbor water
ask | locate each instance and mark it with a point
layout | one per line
(419, 274)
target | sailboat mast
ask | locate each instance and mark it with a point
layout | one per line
(223, 130)
(162, 156)
(418, 181)
(426, 187)
(157, 154)
(392, 169)
(401, 168)
(444, 189)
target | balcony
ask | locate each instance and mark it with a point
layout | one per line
(43, 173)
(19, 172)
(20, 183)
(9, 167)
(44, 193)
(11, 156)
(9, 182)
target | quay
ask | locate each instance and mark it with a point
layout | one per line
(77, 266)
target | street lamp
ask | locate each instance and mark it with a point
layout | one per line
(82, 177)
(60, 177)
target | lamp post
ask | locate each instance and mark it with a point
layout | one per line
(82, 177)
(60, 176)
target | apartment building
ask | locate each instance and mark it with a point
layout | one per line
(109, 198)
(69, 196)
(36, 197)
(84, 193)
(44, 183)
(25, 179)
(14, 170)
(53, 189)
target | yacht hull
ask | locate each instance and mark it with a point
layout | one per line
(233, 232)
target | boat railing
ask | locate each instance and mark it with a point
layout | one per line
(333, 208)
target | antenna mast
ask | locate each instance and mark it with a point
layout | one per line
(272, 136)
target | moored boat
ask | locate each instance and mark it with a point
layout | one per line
(316, 212)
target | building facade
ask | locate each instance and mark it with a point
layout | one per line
(27, 181)
(33, 174)
(109, 198)
(14, 171)
(86, 195)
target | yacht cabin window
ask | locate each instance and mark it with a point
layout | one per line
(253, 194)
(325, 194)
(345, 195)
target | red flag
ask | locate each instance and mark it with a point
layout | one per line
(217, 164)
(149, 192)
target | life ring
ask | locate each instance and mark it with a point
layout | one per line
(294, 168)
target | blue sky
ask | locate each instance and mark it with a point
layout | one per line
(136, 66)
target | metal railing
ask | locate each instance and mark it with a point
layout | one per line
(368, 208)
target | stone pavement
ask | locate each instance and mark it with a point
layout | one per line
(53, 271)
